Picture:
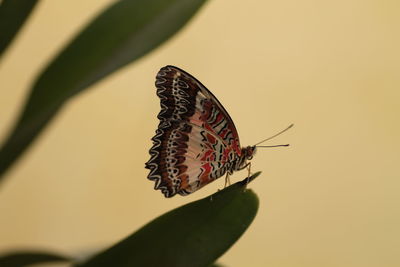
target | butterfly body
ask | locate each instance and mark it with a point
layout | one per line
(196, 141)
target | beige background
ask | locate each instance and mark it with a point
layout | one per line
(330, 67)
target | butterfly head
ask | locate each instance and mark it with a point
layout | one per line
(249, 152)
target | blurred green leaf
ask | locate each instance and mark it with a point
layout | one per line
(13, 14)
(121, 34)
(192, 235)
(24, 258)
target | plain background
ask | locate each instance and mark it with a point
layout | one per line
(330, 67)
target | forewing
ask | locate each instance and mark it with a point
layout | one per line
(184, 98)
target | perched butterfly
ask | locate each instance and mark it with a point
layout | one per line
(196, 141)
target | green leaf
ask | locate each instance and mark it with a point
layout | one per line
(24, 258)
(193, 235)
(13, 14)
(216, 265)
(124, 32)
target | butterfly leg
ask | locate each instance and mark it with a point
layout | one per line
(248, 165)
(227, 180)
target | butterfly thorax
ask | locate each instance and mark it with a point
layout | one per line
(240, 162)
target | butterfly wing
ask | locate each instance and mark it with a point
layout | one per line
(196, 138)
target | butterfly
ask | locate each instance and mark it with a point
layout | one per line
(196, 141)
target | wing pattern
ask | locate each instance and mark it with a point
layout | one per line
(195, 139)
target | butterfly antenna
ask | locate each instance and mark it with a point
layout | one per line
(275, 135)
(274, 145)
